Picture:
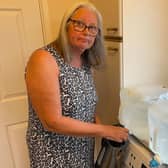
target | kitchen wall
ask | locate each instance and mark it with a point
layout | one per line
(145, 49)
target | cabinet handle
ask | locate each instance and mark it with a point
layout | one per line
(112, 30)
(112, 51)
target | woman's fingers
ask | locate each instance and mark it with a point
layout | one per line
(118, 134)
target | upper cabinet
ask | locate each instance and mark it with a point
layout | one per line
(112, 16)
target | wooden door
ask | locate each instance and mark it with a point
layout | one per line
(21, 33)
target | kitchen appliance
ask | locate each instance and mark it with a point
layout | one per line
(111, 154)
(138, 155)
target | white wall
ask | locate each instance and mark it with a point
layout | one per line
(145, 49)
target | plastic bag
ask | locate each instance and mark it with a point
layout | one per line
(135, 102)
(158, 126)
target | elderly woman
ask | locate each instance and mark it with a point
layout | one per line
(62, 96)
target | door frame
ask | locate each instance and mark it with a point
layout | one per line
(45, 21)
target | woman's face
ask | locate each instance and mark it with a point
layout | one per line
(81, 37)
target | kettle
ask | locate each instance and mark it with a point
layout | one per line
(111, 154)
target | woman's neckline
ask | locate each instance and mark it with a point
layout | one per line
(67, 64)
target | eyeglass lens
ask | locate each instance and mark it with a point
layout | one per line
(81, 26)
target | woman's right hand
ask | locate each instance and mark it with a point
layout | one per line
(116, 133)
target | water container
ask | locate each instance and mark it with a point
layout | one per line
(158, 129)
(135, 102)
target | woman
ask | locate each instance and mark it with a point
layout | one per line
(62, 97)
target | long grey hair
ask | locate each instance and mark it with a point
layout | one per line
(93, 56)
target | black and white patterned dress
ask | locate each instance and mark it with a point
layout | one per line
(78, 98)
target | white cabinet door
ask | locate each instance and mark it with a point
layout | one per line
(20, 34)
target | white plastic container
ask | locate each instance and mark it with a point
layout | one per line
(158, 129)
(133, 113)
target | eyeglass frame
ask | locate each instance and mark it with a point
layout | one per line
(88, 27)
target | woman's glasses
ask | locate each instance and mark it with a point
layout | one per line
(81, 26)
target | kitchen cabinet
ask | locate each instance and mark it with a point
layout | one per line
(112, 16)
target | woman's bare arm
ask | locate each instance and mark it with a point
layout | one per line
(43, 89)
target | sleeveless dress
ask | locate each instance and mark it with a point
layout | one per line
(78, 97)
